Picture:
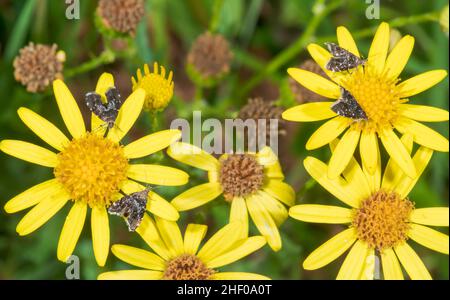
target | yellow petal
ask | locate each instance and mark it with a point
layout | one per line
(33, 195)
(71, 230)
(138, 257)
(171, 235)
(355, 262)
(197, 196)
(420, 83)
(239, 213)
(42, 212)
(421, 160)
(131, 275)
(274, 171)
(432, 216)
(374, 179)
(158, 175)
(379, 48)
(326, 133)
(346, 40)
(412, 262)
(422, 134)
(399, 56)
(266, 157)
(330, 250)
(29, 152)
(237, 276)
(277, 210)
(337, 187)
(316, 83)
(128, 114)
(343, 153)
(149, 233)
(193, 237)
(429, 238)
(105, 81)
(309, 112)
(264, 222)
(100, 234)
(249, 246)
(160, 207)
(44, 129)
(193, 156)
(281, 191)
(316, 213)
(398, 152)
(222, 241)
(392, 175)
(423, 113)
(68, 108)
(368, 147)
(354, 175)
(151, 143)
(391, 266)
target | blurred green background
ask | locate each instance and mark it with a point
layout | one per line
(261, 34)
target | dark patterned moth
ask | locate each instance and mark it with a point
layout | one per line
(342, 59)
(347, 106)
(132, 207)
(107, 112)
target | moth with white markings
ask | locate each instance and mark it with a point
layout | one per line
(132, 207)
(347, 106)
(342, 59)
(107, 112)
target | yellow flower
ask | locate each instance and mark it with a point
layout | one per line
(158, 88)
(381, 219)
(250, 182)
(380, 94)
(89, 169)
(176, 258)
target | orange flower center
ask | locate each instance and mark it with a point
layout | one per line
(187, 267)
(92, 169)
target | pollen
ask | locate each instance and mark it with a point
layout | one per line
(158, 88)
(377, 95)
(382, 221)
(240, 175)
(187, 267)
(92, 169)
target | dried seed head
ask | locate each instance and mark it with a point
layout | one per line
(302, 94)
(258, 109)
(382, 221)
(38, 65)
(240, 175)
(187, 267)
(121, 15)
(210, 55)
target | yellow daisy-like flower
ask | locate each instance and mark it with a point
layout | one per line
(89, 169)
(380, 94)
(158, 88)
(180, 259)
(251, 182)
(381, 219)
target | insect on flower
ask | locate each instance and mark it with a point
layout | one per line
(108, 111)
(342, 59)
(132, 207)
(348, 107)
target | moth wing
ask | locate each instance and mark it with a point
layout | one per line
(114, 98)
(94, 103)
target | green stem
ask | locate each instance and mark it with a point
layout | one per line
(106, 57)
(397, 22)
(215, 18)
(291, 52)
